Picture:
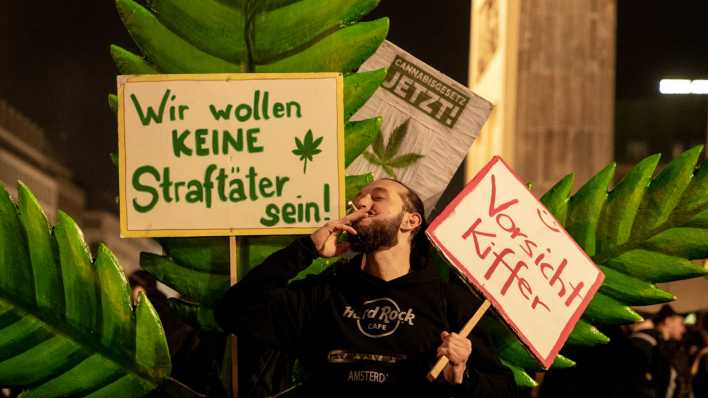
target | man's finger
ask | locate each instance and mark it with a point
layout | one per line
(338, 228)
(454, 345)
(443, 351)
(461, 344)
(456, 357)
(355, 216)
(457, 340)
(350, 230)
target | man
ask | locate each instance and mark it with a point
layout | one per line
(655, 375)
(373, 325)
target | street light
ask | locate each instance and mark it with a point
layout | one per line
(685, 86)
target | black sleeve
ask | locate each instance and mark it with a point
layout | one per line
(264, 307)
(486, 376)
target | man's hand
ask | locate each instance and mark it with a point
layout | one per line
(457, 349)
(325, 238)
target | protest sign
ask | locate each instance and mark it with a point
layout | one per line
(230, 154)
(508, 246)
(429, 123)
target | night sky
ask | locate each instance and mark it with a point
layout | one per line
(56, 68)
(655, 40)
(659, 39)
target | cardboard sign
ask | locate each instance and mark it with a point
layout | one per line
(429, 123)
(230, 154)
(507, 245)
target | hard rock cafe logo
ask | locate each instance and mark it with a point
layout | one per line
(379, 317)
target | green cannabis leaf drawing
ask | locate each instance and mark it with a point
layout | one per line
(307, 148)
(386, 157)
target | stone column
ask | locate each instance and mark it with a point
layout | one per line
(549, 67)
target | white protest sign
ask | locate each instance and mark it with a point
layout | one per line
(230, 154)
(505, 243)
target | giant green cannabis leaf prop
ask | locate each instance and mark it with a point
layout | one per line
(67, 325)
(210, 36)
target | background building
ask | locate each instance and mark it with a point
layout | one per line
(27, 155)
(549, 67)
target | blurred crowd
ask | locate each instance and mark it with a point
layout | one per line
(665, 356)
(670, 355)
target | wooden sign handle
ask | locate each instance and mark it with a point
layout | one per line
(466, 330)
(233, 277)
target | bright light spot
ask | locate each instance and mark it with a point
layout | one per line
(690, 319)
(674, 86)
(683, 86)
(699, 87)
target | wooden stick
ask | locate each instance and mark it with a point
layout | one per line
(466, 330)
(233, 260)
(233, 278)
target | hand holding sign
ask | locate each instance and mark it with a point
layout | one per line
(442, 362)
(509, 247)
(453, 355)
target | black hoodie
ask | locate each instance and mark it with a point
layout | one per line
(356, 334)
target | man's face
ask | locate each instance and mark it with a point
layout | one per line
(674, 327)
(380, 228)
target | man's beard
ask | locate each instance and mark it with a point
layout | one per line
(379, 234)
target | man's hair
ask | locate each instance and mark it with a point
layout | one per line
(411, 203)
